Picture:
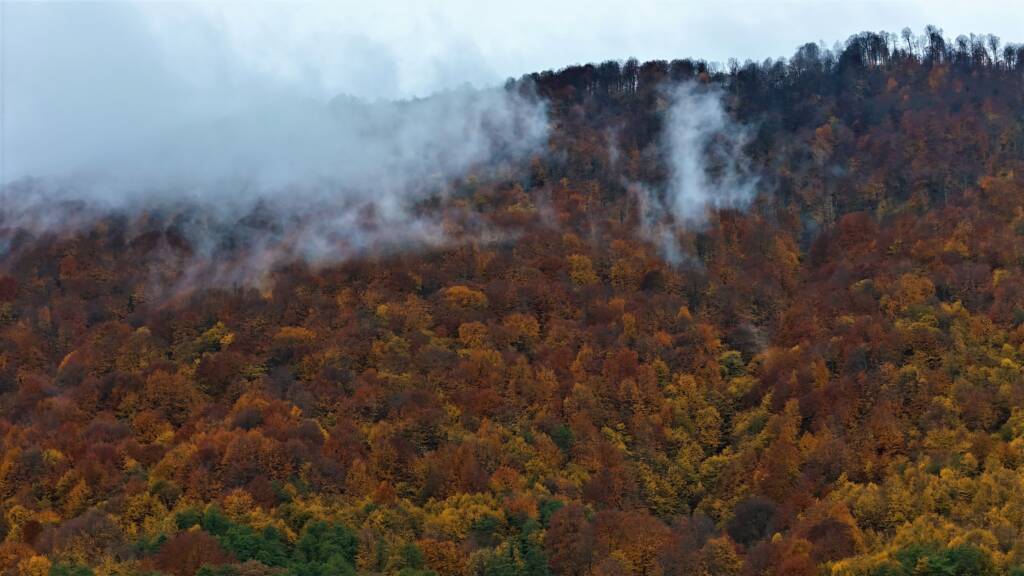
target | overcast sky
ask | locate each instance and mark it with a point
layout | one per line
(404, 48)
(392, 49)
(87, 79)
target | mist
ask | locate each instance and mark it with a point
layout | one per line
(122, 107)
(136, 109)
(707, 167)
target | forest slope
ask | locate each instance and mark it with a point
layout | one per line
(828, 379)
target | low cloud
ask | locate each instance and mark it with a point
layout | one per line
(115, 107)
(707, 167)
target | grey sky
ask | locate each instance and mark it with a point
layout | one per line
(394, 49)
(402, 48)
(124, 74)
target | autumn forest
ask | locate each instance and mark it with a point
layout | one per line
(822, 377)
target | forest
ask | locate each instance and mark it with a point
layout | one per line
(828, 381)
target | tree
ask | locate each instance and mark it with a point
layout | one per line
(569, 541)
(186, 552)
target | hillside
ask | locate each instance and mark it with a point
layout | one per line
(825, 377)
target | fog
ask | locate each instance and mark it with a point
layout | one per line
(151, 107)
(707, 167)
(104, 111)
(95, 94)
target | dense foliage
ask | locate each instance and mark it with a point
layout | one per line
(831, 383)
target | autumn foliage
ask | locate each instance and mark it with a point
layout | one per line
(831, 383)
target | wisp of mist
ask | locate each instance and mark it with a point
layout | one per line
(117, 107)
(707, 167)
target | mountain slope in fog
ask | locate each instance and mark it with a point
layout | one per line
(763, 320)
